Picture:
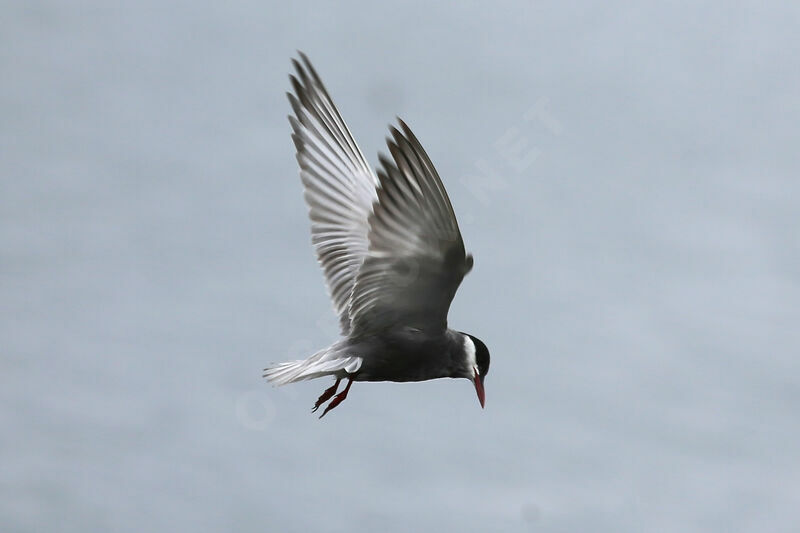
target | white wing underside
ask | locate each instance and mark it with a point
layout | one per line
(340, 187)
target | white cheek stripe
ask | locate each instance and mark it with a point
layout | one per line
(469, 347)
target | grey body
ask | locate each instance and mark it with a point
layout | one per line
(407, 354)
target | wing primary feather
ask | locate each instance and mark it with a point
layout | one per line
(340, 187)
(416, 255)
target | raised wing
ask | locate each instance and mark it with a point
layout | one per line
(416, 258)
(340, 187)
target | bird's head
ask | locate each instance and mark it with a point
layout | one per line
(477, 364)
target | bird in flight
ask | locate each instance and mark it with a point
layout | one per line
(391, 252)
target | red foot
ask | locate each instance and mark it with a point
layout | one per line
(338, 399)
(330, 391)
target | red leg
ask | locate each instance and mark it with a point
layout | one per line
(338, 399)
(330, 391)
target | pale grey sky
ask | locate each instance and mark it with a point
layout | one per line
(626, 176)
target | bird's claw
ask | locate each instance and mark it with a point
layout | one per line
(326, 395)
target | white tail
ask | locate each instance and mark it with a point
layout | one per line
(323, 363)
